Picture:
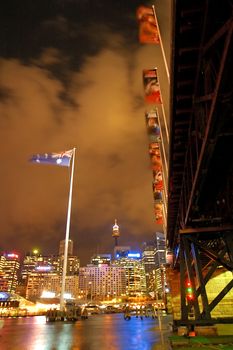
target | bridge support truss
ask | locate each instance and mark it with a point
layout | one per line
(201, 257)
(200, 191)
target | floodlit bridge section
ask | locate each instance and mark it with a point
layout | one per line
(200, 186)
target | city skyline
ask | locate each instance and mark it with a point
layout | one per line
(57, 94)
(38, 275)
(34, 250)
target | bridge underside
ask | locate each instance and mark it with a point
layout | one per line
(200, 200)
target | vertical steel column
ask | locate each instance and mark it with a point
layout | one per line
(184, 310)
(198, 268)
(188, 263)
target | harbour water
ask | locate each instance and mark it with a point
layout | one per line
(98, 332)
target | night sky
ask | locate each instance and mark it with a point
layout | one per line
(71, 76)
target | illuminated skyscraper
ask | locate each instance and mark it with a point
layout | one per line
(62, 247)
(29, 263)
(160, 263)
(101, 259)
(148, 259)
(45, 280)
(101, 282)
(160, 250)
(134, 272)
(72, 260)
(9, 270)
(32, 260)
(72, 265)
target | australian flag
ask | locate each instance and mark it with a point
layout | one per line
(62, 158)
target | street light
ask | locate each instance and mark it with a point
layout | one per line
(85, 288)
(90, 283)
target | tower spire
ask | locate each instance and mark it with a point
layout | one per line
(115, 232)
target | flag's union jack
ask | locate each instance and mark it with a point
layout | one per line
(62, 158)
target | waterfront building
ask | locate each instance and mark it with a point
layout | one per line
(29, 264)
(33, 260)
(43, 273)
(158, 277)
(9, 272)
(101, 282)
(3, 281)
(160, 281)
(40, 281)
(45, 280)
(148, 260)
(134, 273)
(71, 286)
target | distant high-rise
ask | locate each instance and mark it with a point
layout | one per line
(148, 259)
(101, 259)
(148, 256)
(134, 273)
(9, 270)
(160, 262)
(34, 260)
(72, 265)
(121, 251)
(41, 273)
(62, 247)
(115, 232)
(101, 281)
(160, 249)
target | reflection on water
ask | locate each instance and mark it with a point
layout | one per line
(105, 332)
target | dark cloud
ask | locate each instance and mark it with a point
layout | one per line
(5, 94)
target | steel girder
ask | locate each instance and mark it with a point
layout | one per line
(200, 200)
(201, 138)
(200, 259)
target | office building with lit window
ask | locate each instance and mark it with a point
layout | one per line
(148, 259)
(62, 247)
(101, 282)
(101, 259)
(134, 273)
(72, 260)
(44, 279)
(9, 272)
(160, 249)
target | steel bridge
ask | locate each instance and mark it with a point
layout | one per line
(200, 189)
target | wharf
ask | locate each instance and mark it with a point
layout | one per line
(224, 342)
(170, 340)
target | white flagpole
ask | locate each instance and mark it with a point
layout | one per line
(67, 235)
(161, 44)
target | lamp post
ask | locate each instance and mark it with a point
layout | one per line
(90, 284)
(85, 286)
